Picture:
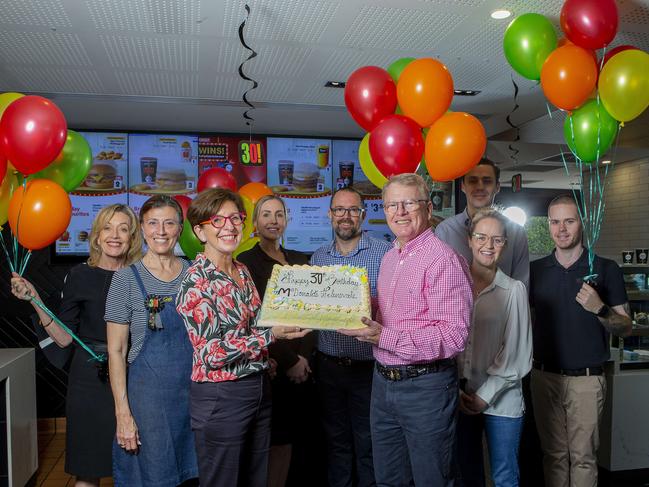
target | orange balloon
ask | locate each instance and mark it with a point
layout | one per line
(566, 42)
(425, 90)
(39, 214)
(254, 191)
(568, 76)
(454, 145)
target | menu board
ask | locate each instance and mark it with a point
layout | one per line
(104, 185)
(244, 158)
(348, 172)
(299, 171)
(161, 164)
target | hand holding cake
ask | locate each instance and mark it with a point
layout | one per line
(370, 334)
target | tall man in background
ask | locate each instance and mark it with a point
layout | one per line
(343, 365)
(573, 314)
(425, 303)
(481, 185)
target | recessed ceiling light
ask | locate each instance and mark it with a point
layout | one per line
(466, 92)
(607, 161)
(335, 84)
(500, 14)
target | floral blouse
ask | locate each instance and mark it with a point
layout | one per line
(221, 318)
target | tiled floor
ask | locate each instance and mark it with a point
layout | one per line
(51, 457)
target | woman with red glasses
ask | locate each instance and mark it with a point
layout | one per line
(230, 392)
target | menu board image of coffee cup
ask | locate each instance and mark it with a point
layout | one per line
(161, 164)
(245, 159)
(104, 185)
(299, 171)
(347, 172)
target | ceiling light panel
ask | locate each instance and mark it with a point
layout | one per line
(45, 13)
(164, 53)
(161, 16)
(419, 30)
(159, 83)
(55, 80)
(302, 21)
(42, 48)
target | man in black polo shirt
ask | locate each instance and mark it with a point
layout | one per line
(572, 322)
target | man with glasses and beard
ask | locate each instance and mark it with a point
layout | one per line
(344, 365)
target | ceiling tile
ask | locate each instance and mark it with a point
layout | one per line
(280, 20)
(281, 61)
(47, 13)
(637, 14)
(161, 16)
(638, 39)
(419, 30)
(343, 62)
(455, 3)
(151, 52)
(269, 90)
(42, 48)
(55, 80)
(159, 83)
(319, 95)
(229, 87)
(549, 8)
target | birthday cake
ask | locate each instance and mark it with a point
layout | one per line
(318, 297)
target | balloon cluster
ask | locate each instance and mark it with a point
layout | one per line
(40, 162)
(405, 111)
(220, 178)
(597, 94)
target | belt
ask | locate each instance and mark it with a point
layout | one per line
(587, 371)
(344, 361)
(401, 372)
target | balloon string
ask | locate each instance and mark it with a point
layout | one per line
(6, 252)
(16, 236)
(26, 258)
(98, 358)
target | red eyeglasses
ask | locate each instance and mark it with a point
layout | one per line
(218, 221)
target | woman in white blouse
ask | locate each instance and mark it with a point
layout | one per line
(497, 356)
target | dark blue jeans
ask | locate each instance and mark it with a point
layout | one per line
(344, 393)
(413, 429)
(503, 440)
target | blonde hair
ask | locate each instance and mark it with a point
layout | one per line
(483, 213)
(408, 179)
(134, 252)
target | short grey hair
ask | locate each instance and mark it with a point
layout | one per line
(408, 179)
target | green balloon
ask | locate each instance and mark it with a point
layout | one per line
(590, 123)
(71, 166)
(398, 66)
(189, 242)
(529, 40)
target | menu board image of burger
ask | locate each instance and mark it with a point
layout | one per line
(104, 185)
(299, 171)
(161, 164)
(347, 171)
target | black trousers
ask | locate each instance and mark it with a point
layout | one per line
(345, 393)
(231, 424)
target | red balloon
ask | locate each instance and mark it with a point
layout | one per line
(591, 24)
(396, 145)
(216, 178)
(32, 133)
(617, 50)
(184, 202)
(370, 95)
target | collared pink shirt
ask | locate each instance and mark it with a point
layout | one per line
(425, 302)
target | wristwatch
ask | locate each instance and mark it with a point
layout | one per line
(603, 311)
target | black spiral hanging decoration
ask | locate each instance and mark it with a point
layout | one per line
(252, 55)
(514, 151)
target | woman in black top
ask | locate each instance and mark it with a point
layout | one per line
(290, 389)
(115, 242)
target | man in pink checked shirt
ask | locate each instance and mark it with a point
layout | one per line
(425, 302)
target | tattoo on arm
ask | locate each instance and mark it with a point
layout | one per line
(616, 323)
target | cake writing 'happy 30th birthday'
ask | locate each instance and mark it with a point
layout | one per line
(319, 297)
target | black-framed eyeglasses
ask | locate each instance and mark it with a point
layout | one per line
(482, 239)
(353, 211)
(218, 221)
(409, 205)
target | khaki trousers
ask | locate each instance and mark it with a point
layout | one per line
(568, 411)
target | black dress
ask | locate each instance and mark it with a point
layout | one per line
(89, 404)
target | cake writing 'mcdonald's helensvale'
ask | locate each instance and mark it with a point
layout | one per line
(318, 297)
